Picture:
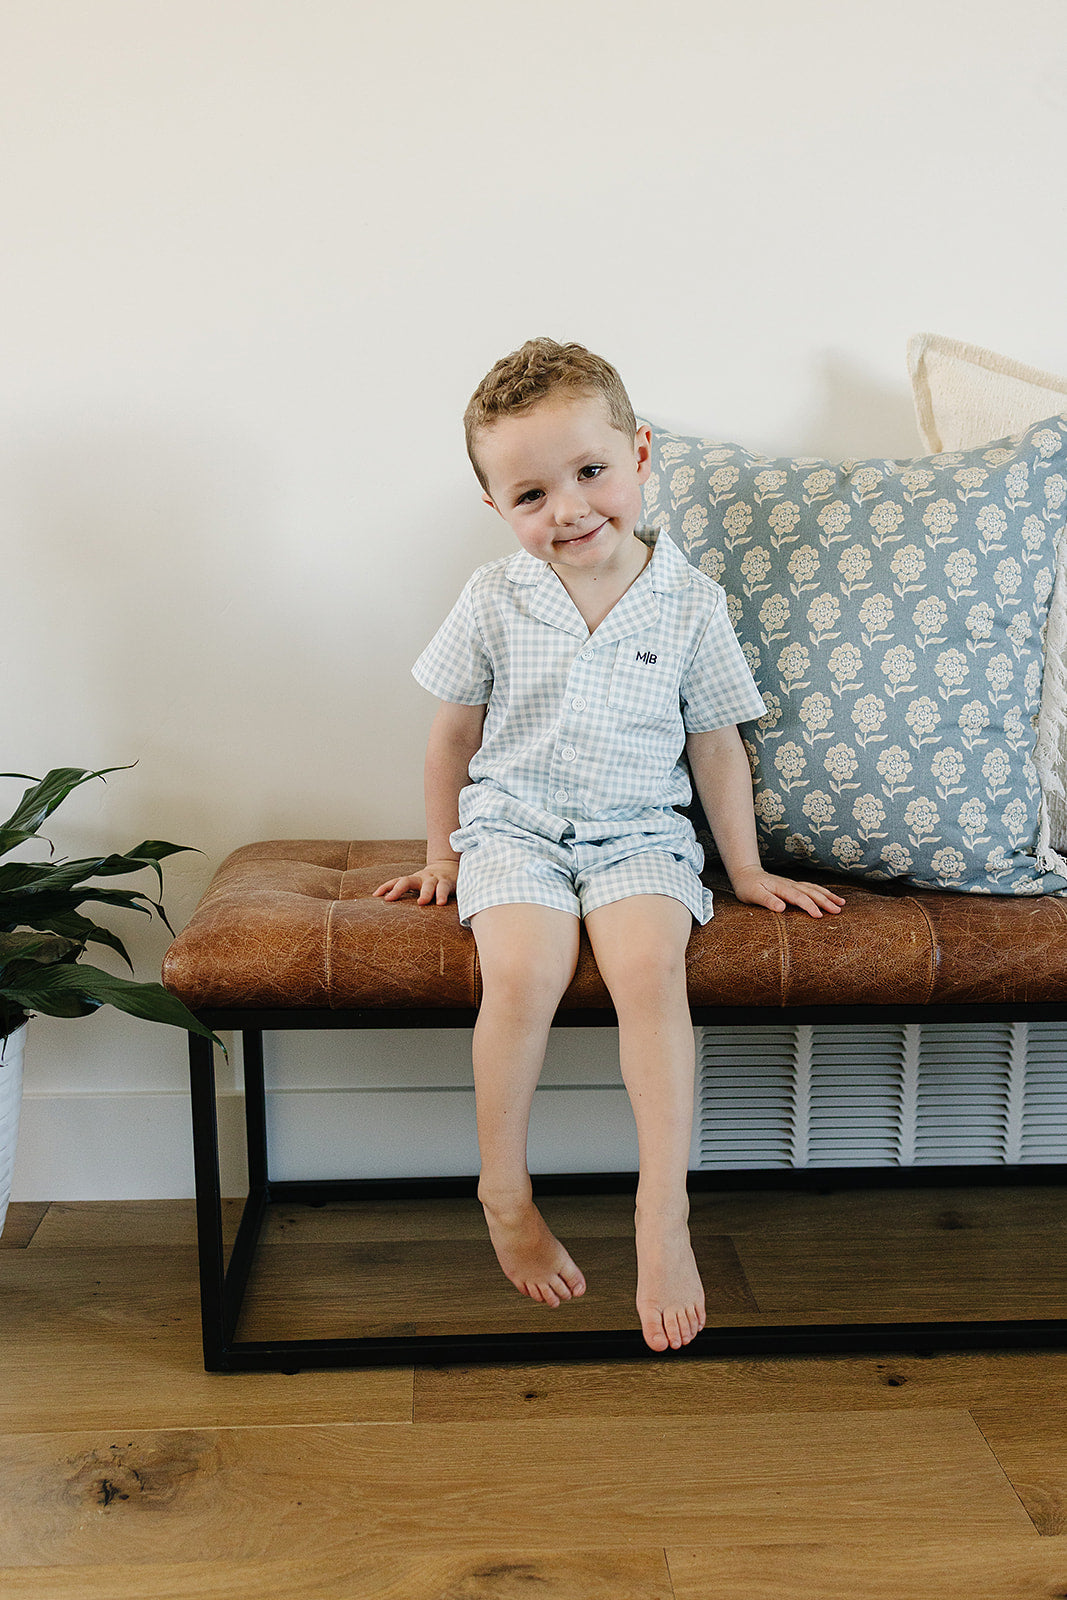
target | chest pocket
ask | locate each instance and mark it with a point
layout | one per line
(643, 683)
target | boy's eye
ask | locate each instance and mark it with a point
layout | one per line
(594, 470)
(528, 498)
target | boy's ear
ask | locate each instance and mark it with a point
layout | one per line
(643, 452)
(491, 503)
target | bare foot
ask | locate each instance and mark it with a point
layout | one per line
(670, 1296)
(530, 1255)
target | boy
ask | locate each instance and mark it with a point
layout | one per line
(571, 678)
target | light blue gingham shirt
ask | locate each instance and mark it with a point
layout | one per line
(587, 730)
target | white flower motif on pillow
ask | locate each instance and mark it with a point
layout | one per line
(1033, 537)
(974, 719)
(847, 851)
(736, 524)
(820, 811)
(981, 620)
(793, 663)
(931, 619)
(818, 485)
(840, 762)
(824, 614)
(845, 664)
(682, 482)
(997, 864)
(1055, 491)
(961, 570)
(791, 763)
(970, 481)
(951, 667)
(908, 565)
(869, 715)
(754, 569)
(1008, 578)
(834, 520)
(999, 674)
(886, 519)
(947, 768)
(783, 519)
(898, 668)
(866, 483)
(713, 562)
(876, 619)
(1020, 632)
(897, 859)
(973, 818)
(797, 845)
(868, 813)
(723, 484)
(674, 449)
(769, 484)
(752, 656)
(854, 564)
(1016, 732)
(996, 770)
(770, 808)
(1017, 485)
(949, 865)
(917, 483)
(922, 818)
(803, 569)
(940, 519)
(1042, 588)
(774, 618)
(894, 768)
(923, 717)
(1047, 441)
(992, 525)
(694, 526)
(816, 713)
(768, 724)
(1032, 685)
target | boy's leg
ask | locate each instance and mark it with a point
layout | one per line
(527, 955)
(639, 944)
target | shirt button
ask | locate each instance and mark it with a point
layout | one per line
(587, 655)
(569, 753)
(560, 794)
(577, 704)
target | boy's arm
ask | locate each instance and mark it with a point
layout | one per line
(455, 739)
(723, 781)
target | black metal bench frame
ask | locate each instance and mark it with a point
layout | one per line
(223, 1284)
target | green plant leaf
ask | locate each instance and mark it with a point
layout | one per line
(32, 947)
(55, 989)
(39, 801)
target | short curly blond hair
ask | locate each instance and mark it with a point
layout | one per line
(537, 371)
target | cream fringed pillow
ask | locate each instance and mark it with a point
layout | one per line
(965, 396)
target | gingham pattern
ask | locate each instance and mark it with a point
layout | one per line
(585, 730)
(501, 865)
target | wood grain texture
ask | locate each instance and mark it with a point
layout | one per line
(874, 1568)
(267, 1493)
(1030, 1442)
(396, 1574)
(21, 1223)
(1009, 1381)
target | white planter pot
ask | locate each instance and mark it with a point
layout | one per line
(11, 1050)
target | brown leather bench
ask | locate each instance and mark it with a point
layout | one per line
(289, 935)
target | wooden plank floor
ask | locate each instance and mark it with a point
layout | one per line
(125, 1470)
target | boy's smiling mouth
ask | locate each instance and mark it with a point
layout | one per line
(583, 538)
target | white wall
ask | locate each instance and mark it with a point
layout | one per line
(256, 256)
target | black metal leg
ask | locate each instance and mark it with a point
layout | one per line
(255, 1110)
(208, 1199)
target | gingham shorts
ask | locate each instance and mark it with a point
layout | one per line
(501, 864)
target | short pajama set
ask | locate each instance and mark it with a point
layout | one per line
(572, 793)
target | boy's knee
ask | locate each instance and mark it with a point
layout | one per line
(647, 976)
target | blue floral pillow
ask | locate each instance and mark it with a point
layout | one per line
(893, 615)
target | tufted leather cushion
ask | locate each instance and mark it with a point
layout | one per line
(293, 923)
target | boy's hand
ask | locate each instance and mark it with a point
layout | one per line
(435, 884)
(755, 887)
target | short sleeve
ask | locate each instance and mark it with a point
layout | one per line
(718, 689)
(455, 665)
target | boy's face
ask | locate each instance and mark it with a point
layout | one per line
(567, 482)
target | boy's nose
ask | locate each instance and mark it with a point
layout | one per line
(569, 509)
